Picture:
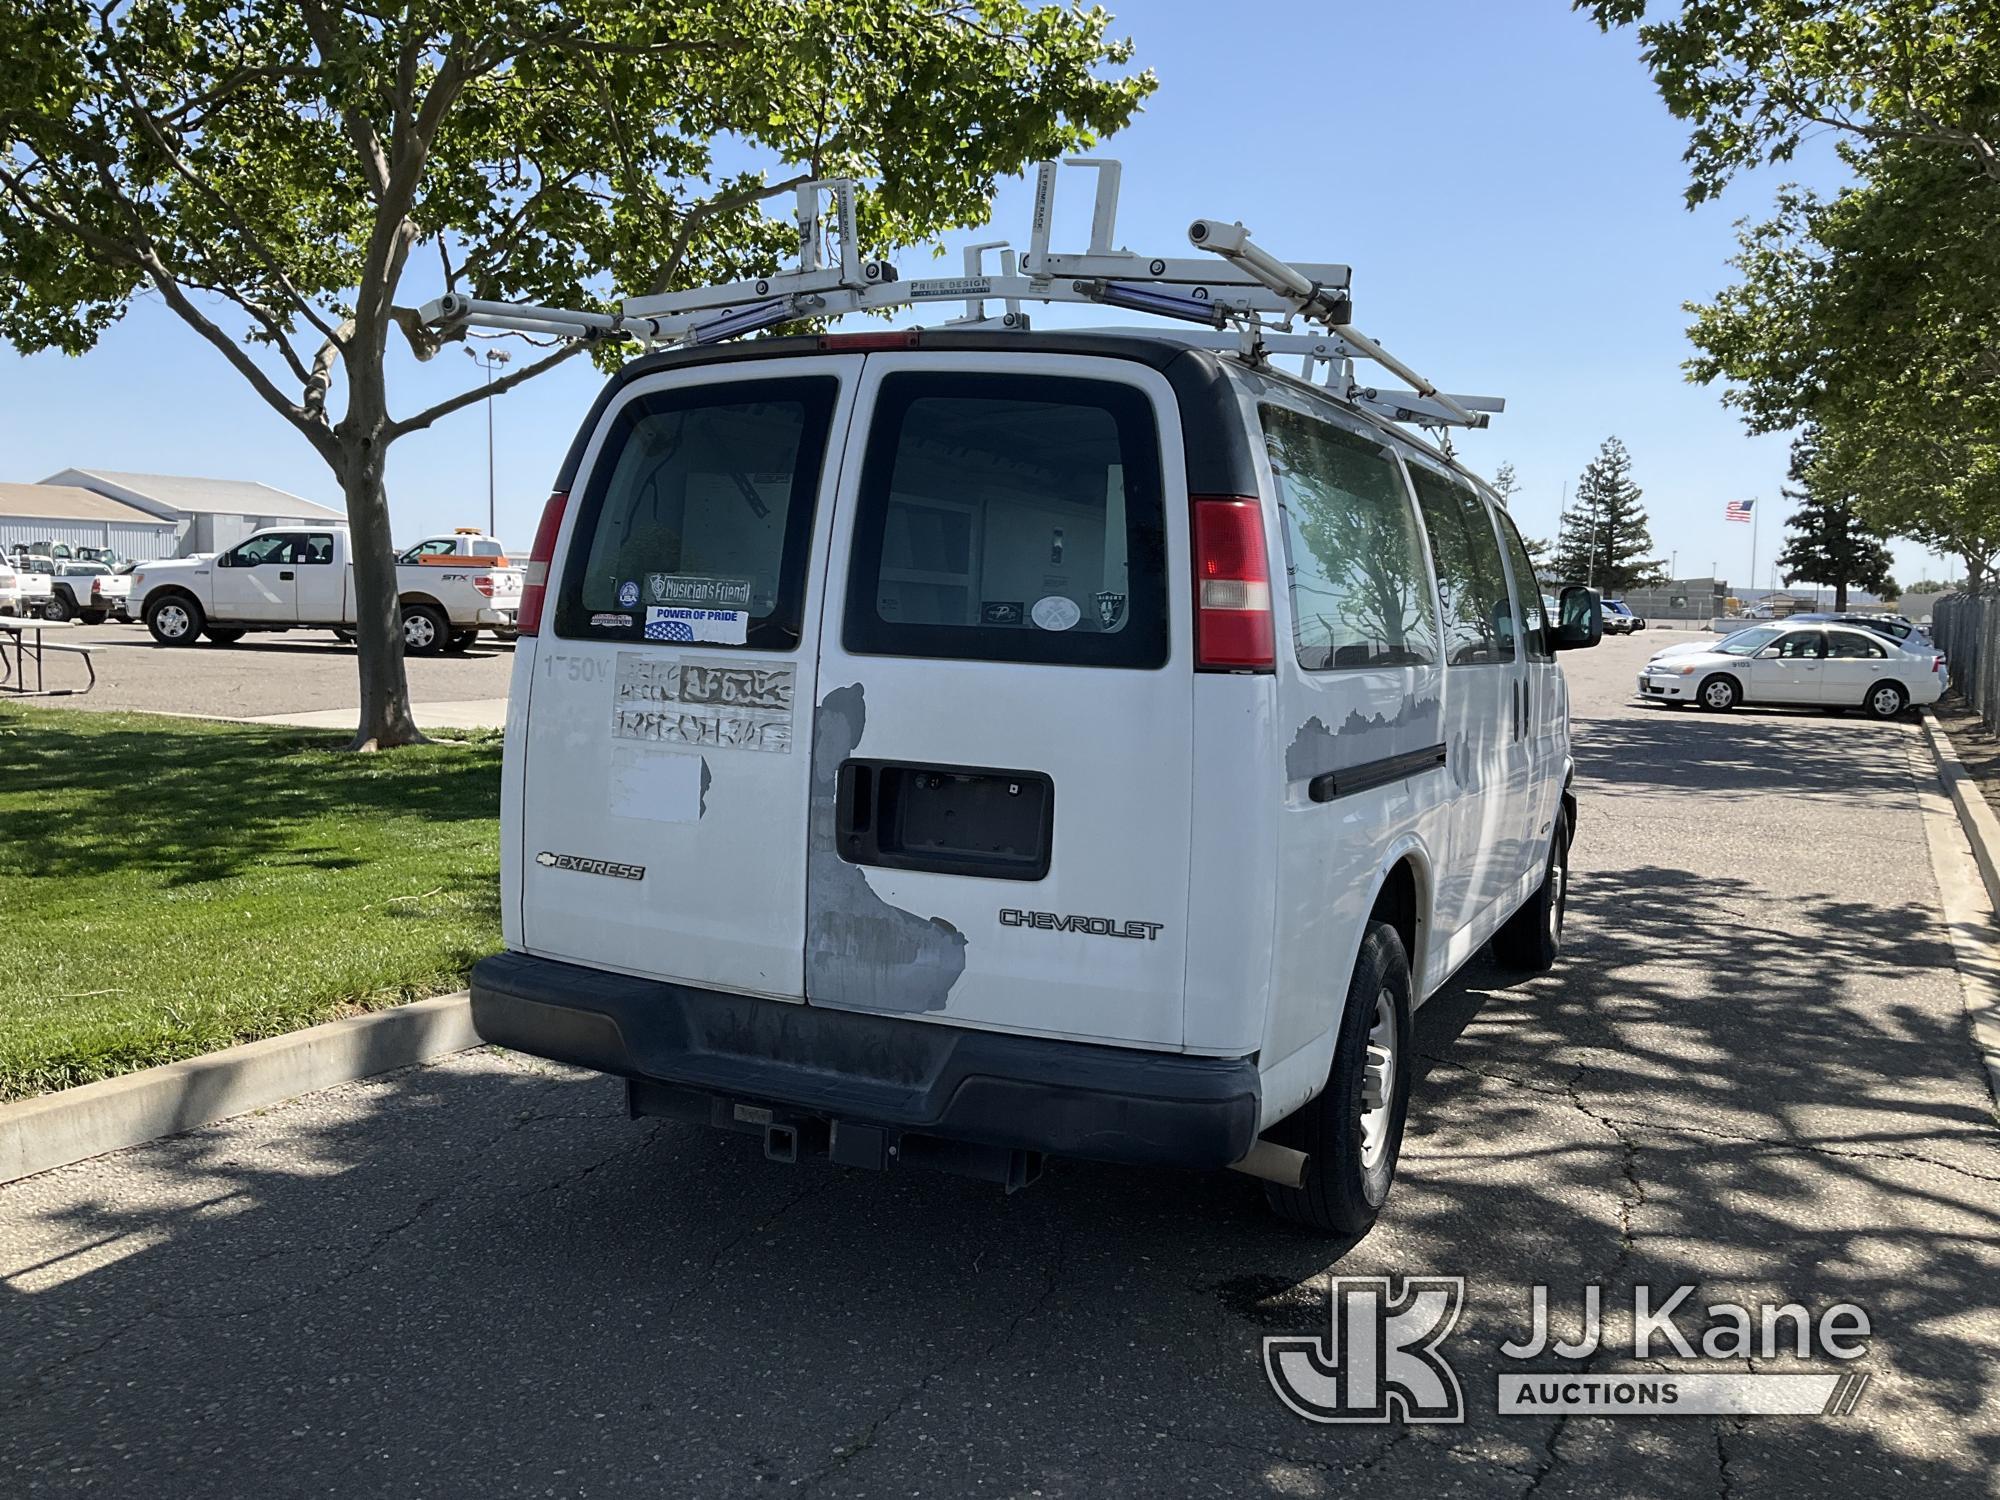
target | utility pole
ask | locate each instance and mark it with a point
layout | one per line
(490, 358)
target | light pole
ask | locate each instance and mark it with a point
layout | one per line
(489, 358)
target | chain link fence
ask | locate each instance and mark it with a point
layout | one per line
(1966, 628)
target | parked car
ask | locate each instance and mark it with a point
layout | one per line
(1835, 667)
(963, 792)
(70, 596)
(34, 579)
(1619, 618)
(10, 588)
(284, 578)
(1895, 627)
(112, 592)
(469, 546)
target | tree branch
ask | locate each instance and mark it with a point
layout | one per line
(479, 393)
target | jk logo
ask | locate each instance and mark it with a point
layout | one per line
(1379, 1358)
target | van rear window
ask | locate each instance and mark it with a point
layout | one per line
(1010, 518)
(696, 523)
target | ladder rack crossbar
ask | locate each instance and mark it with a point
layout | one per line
(1246, 299)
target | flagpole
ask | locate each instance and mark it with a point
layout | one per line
(1755, 517)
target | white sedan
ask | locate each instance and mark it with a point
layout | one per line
(1834, 667)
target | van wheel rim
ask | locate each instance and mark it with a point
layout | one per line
(1378, 1082)
(1558, 893)
(172, 620)
(418, 632)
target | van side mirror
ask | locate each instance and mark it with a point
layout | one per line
(1580, 615)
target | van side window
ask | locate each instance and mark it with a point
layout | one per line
(701, 498)
(1527, 587)
(1010, 518)
(1472, 584)
(1361, 595)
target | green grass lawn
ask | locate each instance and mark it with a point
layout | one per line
(170, 886)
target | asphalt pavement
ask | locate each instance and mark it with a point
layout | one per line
(1750, 1073)
(289, 676)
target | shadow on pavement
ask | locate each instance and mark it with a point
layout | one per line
(479, 1277)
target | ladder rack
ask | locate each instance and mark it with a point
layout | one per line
(1247, 299)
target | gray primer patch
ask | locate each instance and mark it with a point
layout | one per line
(1315, 749)
(862, 952)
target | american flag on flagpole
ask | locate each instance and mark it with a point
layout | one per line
(1737, 510)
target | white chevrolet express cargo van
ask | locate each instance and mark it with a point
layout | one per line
(967, 747)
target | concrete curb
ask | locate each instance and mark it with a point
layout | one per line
(1971, 923)
(37, 1135)
(1982, 828)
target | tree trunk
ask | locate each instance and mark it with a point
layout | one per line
(1840, 596)
(1975, 573)
(386, 720)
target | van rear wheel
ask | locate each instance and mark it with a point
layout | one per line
(1353, 1132)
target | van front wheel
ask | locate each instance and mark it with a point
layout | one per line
(1530, 941)
(1352, 1133)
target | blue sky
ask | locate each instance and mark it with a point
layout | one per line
(1503, 179)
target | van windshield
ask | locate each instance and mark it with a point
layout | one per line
(697, 519)
(1010, 518)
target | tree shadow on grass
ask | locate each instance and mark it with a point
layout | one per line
(198, 804)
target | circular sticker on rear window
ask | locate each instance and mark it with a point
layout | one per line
(1055, 612)
(628, 592)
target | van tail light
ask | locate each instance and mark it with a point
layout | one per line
(484, 583)
(1232, 584)
(534, 586)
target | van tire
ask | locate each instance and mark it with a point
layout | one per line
(1348, 1176)
(174, 620)
(425, 630)
(1530, 941)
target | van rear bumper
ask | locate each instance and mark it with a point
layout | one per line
(920, 1078)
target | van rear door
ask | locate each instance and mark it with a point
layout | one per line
(666, 733)
(1002, 744)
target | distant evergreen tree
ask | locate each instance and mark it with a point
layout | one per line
(1826, 542)
(1605, 541)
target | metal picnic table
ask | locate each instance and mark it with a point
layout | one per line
(14, 633)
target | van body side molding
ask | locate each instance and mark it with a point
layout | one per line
(1373, 773)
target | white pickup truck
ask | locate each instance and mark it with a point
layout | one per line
(286, 578)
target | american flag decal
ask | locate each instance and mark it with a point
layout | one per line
(669, 630)
(1737, 510)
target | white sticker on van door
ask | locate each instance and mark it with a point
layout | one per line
(728, 627)
(1055, 612)
(706, 704)
(662, 786)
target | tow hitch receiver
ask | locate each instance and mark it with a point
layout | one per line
(791, 1138)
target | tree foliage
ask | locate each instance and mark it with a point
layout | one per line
(278, 172)
(1753, 78)
(1605, 539)
(1827, 541)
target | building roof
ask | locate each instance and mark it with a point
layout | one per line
(68, 502)
(190, 496)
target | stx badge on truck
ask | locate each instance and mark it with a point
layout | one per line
(1049, 921)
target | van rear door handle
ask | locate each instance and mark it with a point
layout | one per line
(285, 577)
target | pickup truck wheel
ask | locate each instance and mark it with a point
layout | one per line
(460, 640)
(175, 620)
(57, 608)
(1352, 1133)
(425, 629)
(224, 635)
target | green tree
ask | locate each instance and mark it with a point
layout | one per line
(291, 177)
(1874, 316)
(1753, 78)
(1605, 540)
(1827, 541)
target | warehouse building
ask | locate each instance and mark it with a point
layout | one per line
(208, 514)
(46, 516)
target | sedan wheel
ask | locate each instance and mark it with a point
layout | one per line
(1886, 701)
(1718, 693)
